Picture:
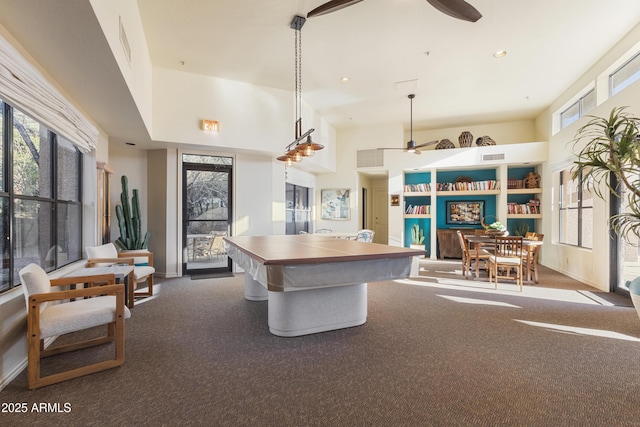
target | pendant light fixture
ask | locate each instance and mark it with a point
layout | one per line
(302, 145)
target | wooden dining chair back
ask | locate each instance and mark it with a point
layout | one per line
(506, 257)
(472, 255)
(466, 258)
(54, 313)
(531, 255)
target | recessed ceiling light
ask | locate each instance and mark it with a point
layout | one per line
(500, 54)
(345, 80)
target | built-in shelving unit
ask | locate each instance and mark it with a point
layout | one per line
(502, 189)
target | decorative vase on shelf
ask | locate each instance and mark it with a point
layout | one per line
(465, 139)
(445, 144)
(484, 141)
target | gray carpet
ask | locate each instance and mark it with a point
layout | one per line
(436, 351)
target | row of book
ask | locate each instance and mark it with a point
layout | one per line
(533, 207)
(417, 188)
(418, 210)
(468, 186)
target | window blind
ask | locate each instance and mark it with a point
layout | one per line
(23, 86)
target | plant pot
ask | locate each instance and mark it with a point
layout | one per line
(634, 291)
(420, 247)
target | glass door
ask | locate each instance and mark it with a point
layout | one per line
(206, 202)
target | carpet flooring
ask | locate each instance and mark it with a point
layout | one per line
(437, 350)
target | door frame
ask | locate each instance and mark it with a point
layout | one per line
(208, 167)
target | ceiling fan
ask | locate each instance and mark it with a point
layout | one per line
(411, 146)
(458, 9)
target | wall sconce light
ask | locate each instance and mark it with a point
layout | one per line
(210, 125)
(395, 200)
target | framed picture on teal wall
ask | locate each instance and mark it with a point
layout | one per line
(465, 212)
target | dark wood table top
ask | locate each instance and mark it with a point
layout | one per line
(314, 248)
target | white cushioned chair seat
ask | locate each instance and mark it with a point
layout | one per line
(506, 260)
(78, 315)
(142, 271)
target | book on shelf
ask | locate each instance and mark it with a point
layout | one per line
(490, 184)
(417, 188)
(533, 207)
(418, 210)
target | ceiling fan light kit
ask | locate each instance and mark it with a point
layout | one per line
(297, 150)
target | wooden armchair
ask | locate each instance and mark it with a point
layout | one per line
(90, 307)
(142, 261)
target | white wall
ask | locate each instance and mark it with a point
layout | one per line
(137, 73)
(503, 133)
(349, 141)
(588, 266)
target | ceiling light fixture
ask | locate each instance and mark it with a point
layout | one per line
(298, 149)
(345, 80)
(500, 54)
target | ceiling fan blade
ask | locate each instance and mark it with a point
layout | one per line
(459, 9)
(426, 144)
(331, 6)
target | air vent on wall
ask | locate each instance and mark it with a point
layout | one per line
(125, 42)
(492, 157)
(369, 158)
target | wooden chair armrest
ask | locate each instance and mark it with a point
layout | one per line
(91, 262)
(108, 278)
(112, 289)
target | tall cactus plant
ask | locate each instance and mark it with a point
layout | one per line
(417, 235)
(129, 222)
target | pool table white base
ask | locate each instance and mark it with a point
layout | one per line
(296, 313)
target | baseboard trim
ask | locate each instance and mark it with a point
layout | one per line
(19, 367)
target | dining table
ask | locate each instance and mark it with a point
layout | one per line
(479, 240)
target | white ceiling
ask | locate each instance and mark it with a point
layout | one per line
(376, 43)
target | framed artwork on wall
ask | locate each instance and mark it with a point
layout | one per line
(335, 204)
(465, 212)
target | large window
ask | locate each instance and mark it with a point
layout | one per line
(576, 211)
(40, 196)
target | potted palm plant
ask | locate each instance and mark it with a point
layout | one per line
(608, 151)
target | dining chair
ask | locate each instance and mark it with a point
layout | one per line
(507, 256)
(141, 259)
(54, 313)
(470, 255)
(531, 255)
(365, 236)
